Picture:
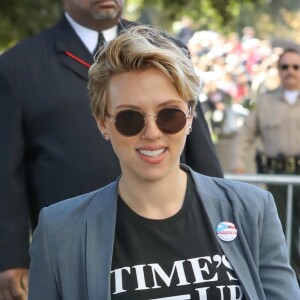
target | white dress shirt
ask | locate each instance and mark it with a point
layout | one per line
(291, 97)
(89, 36)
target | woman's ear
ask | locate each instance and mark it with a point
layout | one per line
(102, 127)
(190, 123)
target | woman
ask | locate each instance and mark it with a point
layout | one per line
(161, 231)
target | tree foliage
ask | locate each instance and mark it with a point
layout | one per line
(22, 18)
(223, 10)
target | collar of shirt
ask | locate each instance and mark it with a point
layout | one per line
(291, 97)
(88, 36)
(110, 33)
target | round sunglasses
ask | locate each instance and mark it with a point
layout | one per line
(131, 122)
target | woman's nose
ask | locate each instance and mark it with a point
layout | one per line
(151, 130)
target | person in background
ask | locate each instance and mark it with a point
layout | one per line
(161, 230)
(50, 148)
(248, 33)
(275, 120)
(186, 31)
(215, 106)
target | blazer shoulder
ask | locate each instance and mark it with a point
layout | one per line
(29, 48)
(126, 23)
(269, 96)
(236, 193)
(78, 209)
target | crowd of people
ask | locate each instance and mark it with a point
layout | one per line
(235, 70)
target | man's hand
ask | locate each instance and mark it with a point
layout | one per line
(14, 284)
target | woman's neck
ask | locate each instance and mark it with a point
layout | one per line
(156, 199)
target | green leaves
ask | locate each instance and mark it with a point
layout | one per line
(23, 18)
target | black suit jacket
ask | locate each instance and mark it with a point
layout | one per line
(50, 147)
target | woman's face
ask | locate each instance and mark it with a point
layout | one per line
(151, 154)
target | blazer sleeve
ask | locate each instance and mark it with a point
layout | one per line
(199, 152)
(42, 282)
(277, 277)
(14, 216)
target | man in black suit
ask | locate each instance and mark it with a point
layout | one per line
(50, 147)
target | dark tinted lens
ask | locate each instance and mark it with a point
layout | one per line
(284, 67)
(170, 120)
(296, 67)
(129, 122)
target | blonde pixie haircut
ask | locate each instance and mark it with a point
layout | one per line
(140, 48)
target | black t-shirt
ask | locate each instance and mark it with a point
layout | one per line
(175, 258)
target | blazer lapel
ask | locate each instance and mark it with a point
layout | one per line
(71, 51)
(99, 243)
(219, 211)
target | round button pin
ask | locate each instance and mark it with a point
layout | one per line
(226, 231)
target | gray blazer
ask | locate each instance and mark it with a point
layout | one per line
(72, 247)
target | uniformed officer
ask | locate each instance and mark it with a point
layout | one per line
(275, 120)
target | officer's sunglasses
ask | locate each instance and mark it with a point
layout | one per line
(131, 122)
(285, 67)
